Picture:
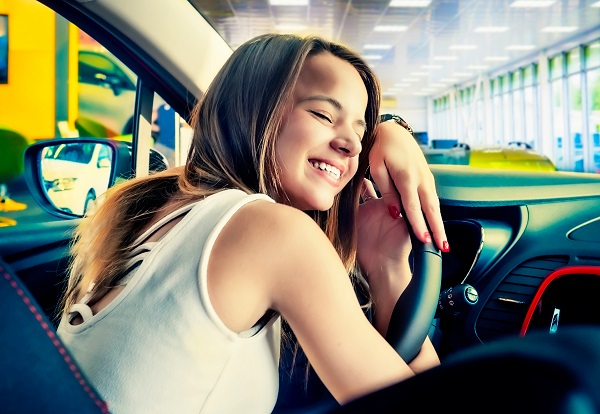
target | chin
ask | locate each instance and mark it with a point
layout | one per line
(311, 203)
(321, 204)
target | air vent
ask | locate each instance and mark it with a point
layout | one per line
(504, 312)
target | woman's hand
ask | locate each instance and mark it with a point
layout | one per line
(383, 242)
(382, 253)
(402, 175)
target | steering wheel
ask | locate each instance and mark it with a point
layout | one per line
(415, 309)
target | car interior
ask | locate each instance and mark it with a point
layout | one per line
(511, 309)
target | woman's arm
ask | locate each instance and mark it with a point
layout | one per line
(402, 175)
(271, 256)
(427, 358)
(383, 252)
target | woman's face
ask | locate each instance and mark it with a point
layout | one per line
(317, 150)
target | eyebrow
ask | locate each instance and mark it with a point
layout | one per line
(336, 104)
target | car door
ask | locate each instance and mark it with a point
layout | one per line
(37, 246)
(36, 243)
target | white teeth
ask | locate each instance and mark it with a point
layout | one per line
(333, 171)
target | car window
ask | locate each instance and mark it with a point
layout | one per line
(78, 89)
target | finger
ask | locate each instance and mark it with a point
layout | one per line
(411, 202)
(431, 207)
(387, 189)
(368, 191)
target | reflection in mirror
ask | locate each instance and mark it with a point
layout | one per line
(76, 174)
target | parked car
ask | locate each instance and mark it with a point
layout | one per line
(524, 245)
(76, 174)
(106, 93)
(514, 156)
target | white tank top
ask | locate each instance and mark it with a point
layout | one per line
(159, 346)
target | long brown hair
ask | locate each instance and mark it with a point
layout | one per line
(236, 125)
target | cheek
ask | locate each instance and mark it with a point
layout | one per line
(284, 148)
(352, 168)
(292, 143)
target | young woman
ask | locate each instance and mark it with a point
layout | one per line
(180, 279)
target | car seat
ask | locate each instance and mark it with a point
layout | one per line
(38, 373)
(539, 373)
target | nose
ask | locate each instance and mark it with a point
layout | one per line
(347, 142)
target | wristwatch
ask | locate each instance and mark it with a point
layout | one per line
(397, 119)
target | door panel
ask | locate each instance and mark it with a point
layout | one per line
(39, 254)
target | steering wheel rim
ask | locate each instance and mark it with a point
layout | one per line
(415, 309)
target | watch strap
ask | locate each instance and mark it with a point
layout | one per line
(397, 119)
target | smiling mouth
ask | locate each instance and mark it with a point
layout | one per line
(334, 172)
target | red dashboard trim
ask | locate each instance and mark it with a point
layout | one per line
(565, 271)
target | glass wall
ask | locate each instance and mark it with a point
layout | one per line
(517, 109)
(570, 121)
(558, 111)
(592, 59)
(496, 119)
(530, 110)
(509, 126)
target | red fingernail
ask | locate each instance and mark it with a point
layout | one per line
(394, 212)
(445, 247)
(427, 237)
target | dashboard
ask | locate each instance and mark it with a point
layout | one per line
(510, 235)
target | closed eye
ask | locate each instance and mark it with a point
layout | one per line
(320, 115)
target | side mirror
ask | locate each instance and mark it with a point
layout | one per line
(67, 176)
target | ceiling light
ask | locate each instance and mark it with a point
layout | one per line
(409, 3)
(478, 67)
(520, 47)
(372, 57)
(288, 2)
(391, 28)
(496, 58)
(377, 47)
(559, 29)
(463, 47)
(431, 67)
(491, 29)
(532, 3)
(445, 58)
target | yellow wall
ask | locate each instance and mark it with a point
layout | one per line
(27, 102)
(73, 74)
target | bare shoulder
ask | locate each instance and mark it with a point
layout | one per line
(280, 218)
(261, 249)
(290, 252)
(265, 228)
